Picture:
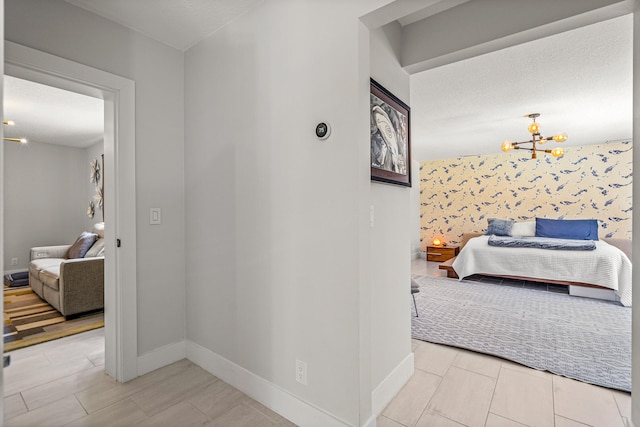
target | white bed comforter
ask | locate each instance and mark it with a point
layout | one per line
(606, 266)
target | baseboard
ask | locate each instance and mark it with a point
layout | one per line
(160, 357)
(371, 422)
(391, 385)
(270, 395)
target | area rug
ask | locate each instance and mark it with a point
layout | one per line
(580, 338)
(29, 320)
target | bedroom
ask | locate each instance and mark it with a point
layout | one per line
(589, 96)
(461, 189)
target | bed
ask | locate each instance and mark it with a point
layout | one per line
(596, 273)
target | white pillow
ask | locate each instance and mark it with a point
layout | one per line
(98, 228)
(523, 229)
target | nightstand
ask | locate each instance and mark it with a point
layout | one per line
(441, 253)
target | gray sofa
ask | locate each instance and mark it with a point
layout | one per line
(71, 286)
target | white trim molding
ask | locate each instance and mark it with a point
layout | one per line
(162, 356)
(371, 422)
(118, 93)
(269, 394)
(391, 385)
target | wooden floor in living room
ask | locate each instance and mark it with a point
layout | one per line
(29, 320)
(62, 383)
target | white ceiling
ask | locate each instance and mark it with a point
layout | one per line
(579, 81)
(177, 23)
(50, 115)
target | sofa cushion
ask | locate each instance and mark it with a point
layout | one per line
(96, 250)
(82, 245)
(51, 277)
(37, 265)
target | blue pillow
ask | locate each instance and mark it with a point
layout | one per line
(499, 227)
(578, 229)
(81, 245)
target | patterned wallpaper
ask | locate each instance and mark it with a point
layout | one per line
(594, 181)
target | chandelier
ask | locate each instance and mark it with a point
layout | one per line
(536, 139)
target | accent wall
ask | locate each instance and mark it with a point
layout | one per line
(594, 181)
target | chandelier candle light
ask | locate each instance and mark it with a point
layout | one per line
(536, 138)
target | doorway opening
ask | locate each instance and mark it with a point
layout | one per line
(53, 150)
(118, 94)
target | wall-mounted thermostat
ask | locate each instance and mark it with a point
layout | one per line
(323, 130)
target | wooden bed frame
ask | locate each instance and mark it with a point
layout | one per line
(448, 267)
(623, 245)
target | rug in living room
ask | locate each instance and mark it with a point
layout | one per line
(580, 338)
(29, 320)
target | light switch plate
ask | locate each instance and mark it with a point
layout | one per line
(155, 216)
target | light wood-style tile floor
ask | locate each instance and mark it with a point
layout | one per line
(62, 383)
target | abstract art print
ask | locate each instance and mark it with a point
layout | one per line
(390, 137)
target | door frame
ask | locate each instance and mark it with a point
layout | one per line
(118, 93)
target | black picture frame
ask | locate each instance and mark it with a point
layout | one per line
(390, 124)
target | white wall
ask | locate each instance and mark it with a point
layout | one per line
(274, 262)
(59, 28)
(391, 236)
(45, 188)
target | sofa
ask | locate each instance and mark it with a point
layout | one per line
(70, 277)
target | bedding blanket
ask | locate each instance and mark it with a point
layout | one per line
(542, 243)
(605, 266)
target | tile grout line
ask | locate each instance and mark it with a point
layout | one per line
(495, 387)
(622, 417)
(435, 392)
(553, 399)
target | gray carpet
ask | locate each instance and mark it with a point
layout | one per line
(580, 338)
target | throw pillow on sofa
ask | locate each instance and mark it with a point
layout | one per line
(97, 249)
(81, 245)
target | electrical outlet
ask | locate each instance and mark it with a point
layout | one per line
(14, 262)
(301, 372)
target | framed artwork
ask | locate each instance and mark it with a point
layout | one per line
(390, 137)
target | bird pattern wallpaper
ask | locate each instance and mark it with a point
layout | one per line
(589, 182)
